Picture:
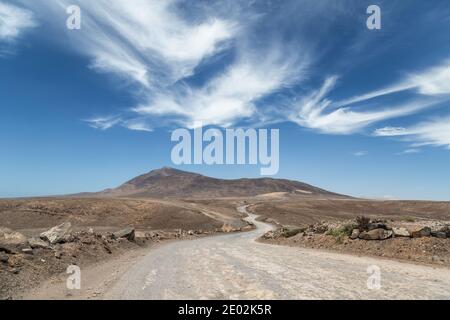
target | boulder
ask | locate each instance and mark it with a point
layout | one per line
(401, 232)
(376, 225)
(8, 248)
(269, 235)
(57, 234)
(438, 234)
(376, 234)
(355, 234)
(128, 233)
(318, 228)
(4, 257)
(11, 238)
(419, 232)
(37, 243)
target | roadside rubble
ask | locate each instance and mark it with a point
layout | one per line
(25, 262)
(365, 229)
(425, 241)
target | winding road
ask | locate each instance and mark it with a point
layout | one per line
(235, 266)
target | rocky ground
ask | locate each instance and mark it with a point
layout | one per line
(33, 249)
(25, 263)
(422, 241)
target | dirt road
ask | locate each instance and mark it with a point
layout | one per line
(235, 266)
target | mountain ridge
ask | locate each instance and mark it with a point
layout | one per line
(174, 183)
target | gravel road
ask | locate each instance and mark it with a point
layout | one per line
(235, 266)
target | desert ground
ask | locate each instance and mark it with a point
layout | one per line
(286, 243)
(237, 265)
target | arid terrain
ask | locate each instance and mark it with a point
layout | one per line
(146, 219)
(235, 266)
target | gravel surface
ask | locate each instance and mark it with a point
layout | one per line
(235, 266)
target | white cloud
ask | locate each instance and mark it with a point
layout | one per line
(360, 153)
(158, 45)
(409, 151)
(431, 82)
(230, 96)
(315, 112)
(14, 21)
(431, 133)
(434, 81)
(147, 41)
(390, 132)
(104, 123)
(137, 125)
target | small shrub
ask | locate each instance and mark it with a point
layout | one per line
(290, 232)
(409, 219)
(341, 232)
(362, 223)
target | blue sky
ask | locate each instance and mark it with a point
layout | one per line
(362, 112)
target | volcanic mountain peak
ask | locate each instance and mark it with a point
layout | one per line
(173, 183)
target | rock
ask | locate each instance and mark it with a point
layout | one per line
(4, 257)
(58, 254)
(248, 227)
(128, 233)
(318, 228)
(227, 228)
(10, 237)
(7, 248)
(269, 235)
(14, 271)
(376, 225)
(376, 234)
(27, 251)
(140, 235)
(400, 232)
(36, 243)
(57, 234)
(419, 232)
(355, 234)
(438, 234)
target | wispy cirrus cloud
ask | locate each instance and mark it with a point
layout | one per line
(429, 133)
(316, 112)
(104, 123)
(431, 82)
(409, 151)
(232, 94)
(148, 42)
(163, 48)
(14, 21)
(156, 46)
(360, 153)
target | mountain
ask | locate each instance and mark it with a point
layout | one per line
(172, 183)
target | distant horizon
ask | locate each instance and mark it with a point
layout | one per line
(200, 173)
